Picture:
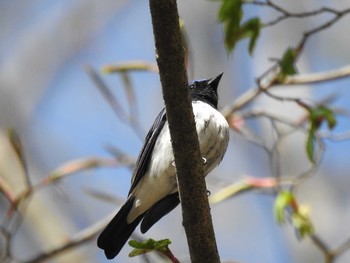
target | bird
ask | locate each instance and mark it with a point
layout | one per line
(154, 191)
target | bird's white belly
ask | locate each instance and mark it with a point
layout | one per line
(160, 180)
(213, 134)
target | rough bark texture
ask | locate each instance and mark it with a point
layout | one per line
(192, 187)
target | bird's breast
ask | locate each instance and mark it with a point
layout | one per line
(213, 134)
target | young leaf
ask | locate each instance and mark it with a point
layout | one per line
(283, 200)
(231, 10)
(310, 143)
(317, 116)
(302, 224)
(299, 214)
(320, 114)
(230, 14)
(148, 246)
(252, 31)
(287, 64)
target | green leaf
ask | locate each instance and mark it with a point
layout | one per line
(148, 246)
(317, 116)
(162, 244)
(299, 214)
(230, 10)
(320, 114)
(283, 200)
(230, 14)
(287, 64)
(302, 224)
(310, 143)
(251, 29)
(137, 252)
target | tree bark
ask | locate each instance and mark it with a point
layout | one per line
(192, 188)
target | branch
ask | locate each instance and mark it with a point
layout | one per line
(303, 79)
(342, 248)
(318, 77)
(329, 23)
(79, 239)
(114, 103)
(286, 14)
(71, 168)
(245, 185)
(191, 182)
(131, 66)
(6, 190)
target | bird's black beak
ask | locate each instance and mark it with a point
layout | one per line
(214, 83)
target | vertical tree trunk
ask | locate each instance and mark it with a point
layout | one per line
(192, 187)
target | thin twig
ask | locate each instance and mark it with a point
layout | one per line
(342, 248)
(114, 103)
(343, 136)
(6, 190)
(286, 14)
(77, 240)
(17, 146)
(70, 168)
(322, 27)
(321, 245)
(252, 93)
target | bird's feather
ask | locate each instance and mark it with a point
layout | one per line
(147, 149)
(117, 232)
(158, 210)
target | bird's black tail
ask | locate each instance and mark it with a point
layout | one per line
(117, 232)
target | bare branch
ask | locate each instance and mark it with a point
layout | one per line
(312, 78)
(79, 239)
(321, 245)
(286, 14)
(243, 186)
(18, 148)
(6, 190)
(322, 27)
(131, 66)
(302, 79)
(113, 102)
(342, 248)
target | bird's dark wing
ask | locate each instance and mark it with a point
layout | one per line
(158, 210)
(147, 149)
(117, 232)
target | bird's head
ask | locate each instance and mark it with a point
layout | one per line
(206, 90)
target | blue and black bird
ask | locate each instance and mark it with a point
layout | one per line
(154, 192)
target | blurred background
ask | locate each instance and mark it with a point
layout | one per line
(60, 115)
